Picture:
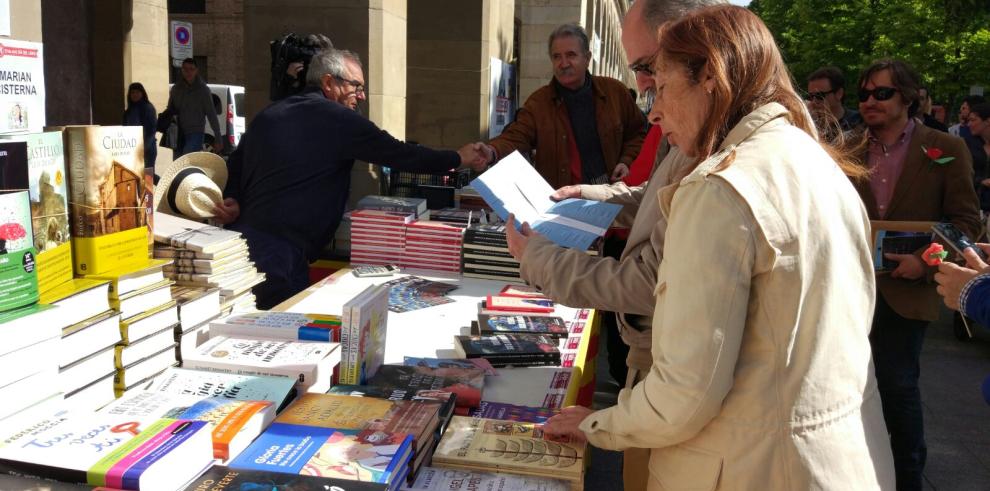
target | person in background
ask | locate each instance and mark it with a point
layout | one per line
(907, 184)
(826, 90)
(959, 129)
(585, 129)
(191, 100)
(978, 142)
(966, 289)
(761, 375)
(289, 178)
(140, 112)
(925, 111)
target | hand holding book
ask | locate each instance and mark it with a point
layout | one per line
(517, 239)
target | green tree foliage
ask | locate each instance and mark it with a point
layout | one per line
(946, 41)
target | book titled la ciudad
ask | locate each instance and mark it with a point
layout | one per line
(107, 208)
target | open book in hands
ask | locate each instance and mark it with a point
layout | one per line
(514, 186)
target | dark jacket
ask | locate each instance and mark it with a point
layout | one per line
(542, 125)
(142, 113)
(926, 193)
(193, 103)
(291, 172)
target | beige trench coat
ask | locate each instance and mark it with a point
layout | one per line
(761, 375)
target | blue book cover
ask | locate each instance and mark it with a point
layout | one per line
(514, 186)
(357, 455)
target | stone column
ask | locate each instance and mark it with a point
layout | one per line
(449, 94)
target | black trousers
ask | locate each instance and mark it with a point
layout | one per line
(617, 349)
(896, 343)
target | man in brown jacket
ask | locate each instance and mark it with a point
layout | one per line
(906, 184)
(584, 129)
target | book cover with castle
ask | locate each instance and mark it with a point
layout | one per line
(39, 167)
(107, 199)
(18, 272)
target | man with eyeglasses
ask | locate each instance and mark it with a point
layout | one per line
(918, 174)
(826, 87)
(289, 178)
(622, 285)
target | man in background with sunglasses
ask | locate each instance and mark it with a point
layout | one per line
(826, 87)
(911, 180)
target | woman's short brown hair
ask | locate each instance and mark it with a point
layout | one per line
(741, 57)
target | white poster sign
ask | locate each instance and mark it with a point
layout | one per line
(22, 87)
(182, 40)
(502, 97)
(4, 17)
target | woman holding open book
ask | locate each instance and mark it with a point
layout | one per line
(761, 375)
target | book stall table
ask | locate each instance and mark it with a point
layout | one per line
(429, 333)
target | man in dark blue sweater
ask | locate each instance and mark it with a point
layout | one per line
(290, 176)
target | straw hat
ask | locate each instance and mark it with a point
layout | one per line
(192, 185)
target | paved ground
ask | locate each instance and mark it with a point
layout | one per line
(957, 420)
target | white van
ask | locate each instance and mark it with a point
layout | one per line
(228, 100)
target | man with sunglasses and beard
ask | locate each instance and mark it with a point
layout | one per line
(826, 88)
(907, 183)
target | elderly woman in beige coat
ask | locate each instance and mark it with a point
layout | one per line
(761, 375)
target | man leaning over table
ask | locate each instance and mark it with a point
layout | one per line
(290, 176)
(624, 286)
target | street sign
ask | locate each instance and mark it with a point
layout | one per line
(182, 41)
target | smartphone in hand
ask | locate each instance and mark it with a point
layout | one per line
(956, 239)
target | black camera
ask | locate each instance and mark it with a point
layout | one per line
(286, 51)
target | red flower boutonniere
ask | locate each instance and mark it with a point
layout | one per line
(935, 156)
(935, 254)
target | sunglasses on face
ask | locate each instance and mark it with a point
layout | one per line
(878, 93)
(358, 86)
(819, 96)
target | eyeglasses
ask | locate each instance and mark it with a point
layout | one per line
(819, 96)
(645, 66)
(358, 86)
(878, 93)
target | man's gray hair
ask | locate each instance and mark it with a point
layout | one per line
(658, 12)
(329, 61)
(572, 30)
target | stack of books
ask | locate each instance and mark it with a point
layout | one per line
(85, 376)
(447, 400)
(378, 237)
(197, 308)
(433, 246)
(237, 387)
(234, 423)
(486, 254)
(223, 478)
(32, 332)
(397, 204)
(100, 450)
(417, 418)
(310, 364)
(437, 479)
(459, 217)
(479, 444)
(306, 445)
(204, 256)
(142, 297)
(467, 383)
